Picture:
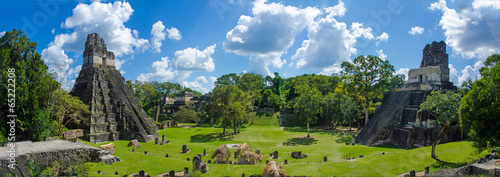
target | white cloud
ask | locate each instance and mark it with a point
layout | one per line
(381, 54)
(211, 82)
(268, 34)
(337, 10)
(331, 42)
(197, 84)
(472, 32)
(453, 74)
(180, 68)
(174, 34)
(118, 65)
(416, 30)
(2, 33)
(160, 71)
(403, 71)
(157, 36)
(53, 30)
(192, 59)
(106, 19)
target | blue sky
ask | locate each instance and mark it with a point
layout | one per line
(194, 42)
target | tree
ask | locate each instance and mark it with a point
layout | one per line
(69, 108)
(227, 79)
(185, 114)
(480, 107)
(308, 104)
(331, 108)
(348, 108)
(370, 77)
(251, 84)
(218, 105)
(34, 86)
(444, 107)
(466, 86)
(238, 102)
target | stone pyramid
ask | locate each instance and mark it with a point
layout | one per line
(115, 112)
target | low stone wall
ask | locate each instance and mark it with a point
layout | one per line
(44, 153)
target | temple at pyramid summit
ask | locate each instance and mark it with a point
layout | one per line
(398, 120)
(115, 112)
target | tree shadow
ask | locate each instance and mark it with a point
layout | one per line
(443, 164)
(300, 141)
(343, 137)
(204, 138)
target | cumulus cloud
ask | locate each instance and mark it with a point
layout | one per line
(337, 10)
(381, 54)
(106, 19)
(174, 34)
(197, 84)
(403, 71)
(332, 42)
(416, 30)
(2, 33)
(181, 66)
(192, 59)
(157, 36)
(472, 32)
(267, 34)
(161, 71)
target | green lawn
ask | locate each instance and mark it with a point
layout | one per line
(265, 135)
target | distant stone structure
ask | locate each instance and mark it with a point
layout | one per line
(434, 73)
(170, 104)
(397, 121)
(115, 112)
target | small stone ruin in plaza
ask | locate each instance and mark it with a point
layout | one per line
(115, 112)
(398, 121)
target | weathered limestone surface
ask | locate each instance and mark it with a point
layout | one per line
(398, 122)
(115, 112)
(434, 73)
(45, 152)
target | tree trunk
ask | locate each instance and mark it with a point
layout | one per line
(350, 126)
(308, 128)
(223, 125)
(440, 137)
(234, 121)
(367, 113)
(253, 102)
(359, 126)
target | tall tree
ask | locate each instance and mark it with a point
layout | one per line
(34, 86)
(227, 79)
(185, 114)
(444, 107)
(251, 84)
(370, 77)
(348, 108)
(218, 106)
(238, 102)
(480, 107)
(308, 105)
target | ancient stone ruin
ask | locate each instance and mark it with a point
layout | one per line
(434, 73)
(398, 121)
(115, 112)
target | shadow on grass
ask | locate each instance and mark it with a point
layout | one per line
(443, 164)
(204, 138)
(299, 141)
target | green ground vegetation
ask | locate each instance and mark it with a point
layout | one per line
(266, 135)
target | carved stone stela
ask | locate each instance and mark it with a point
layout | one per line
(115, 112)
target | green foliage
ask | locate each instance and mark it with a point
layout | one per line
(184, 114)
(443, 106)
(479, 109)
(348, 108)
(68, 109)
(227, 79)
(80, 170)
(368, 76)
(308, 104)
(34, 85)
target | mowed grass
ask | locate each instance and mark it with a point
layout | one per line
(266, 135)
